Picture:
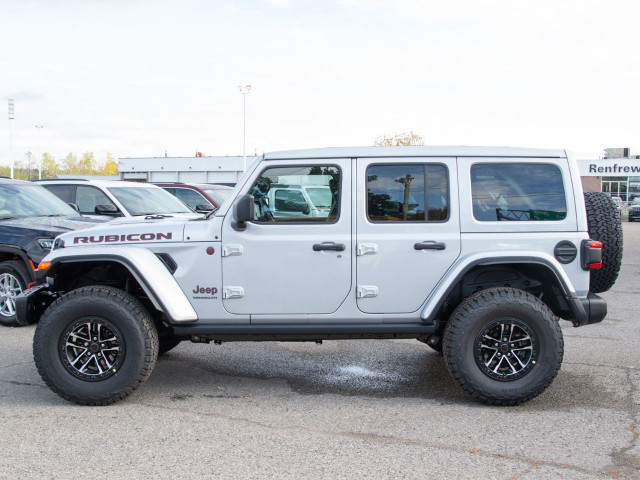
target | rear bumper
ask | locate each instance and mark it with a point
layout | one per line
(588, 310)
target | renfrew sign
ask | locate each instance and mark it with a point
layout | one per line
(610, 167)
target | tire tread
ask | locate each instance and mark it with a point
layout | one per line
(129, 305)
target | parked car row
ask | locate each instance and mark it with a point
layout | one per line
(32, 214)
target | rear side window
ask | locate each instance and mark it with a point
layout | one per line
(517, 192)
(407, 193)
(63, 192)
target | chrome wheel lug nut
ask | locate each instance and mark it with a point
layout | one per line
(496, 344)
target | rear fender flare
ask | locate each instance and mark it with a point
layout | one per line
(466, 263)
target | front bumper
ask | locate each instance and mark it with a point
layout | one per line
(635, 214)
(31, 304)
(588, 310)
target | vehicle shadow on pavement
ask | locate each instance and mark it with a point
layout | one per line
(377, 369)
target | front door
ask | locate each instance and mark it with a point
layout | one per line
(407, 230)
(295, 258)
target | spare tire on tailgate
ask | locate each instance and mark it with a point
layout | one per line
(605, 226)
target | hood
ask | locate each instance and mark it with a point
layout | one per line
(128, 231)
(52, 225)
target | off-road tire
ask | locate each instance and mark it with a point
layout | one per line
(122, 310)
(19, 271)
(167, 343)
(605, 226)
(478, 311)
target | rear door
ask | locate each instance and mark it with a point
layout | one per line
(407, 230)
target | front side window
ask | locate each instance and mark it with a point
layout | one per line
(87, 198)
(407, 193)
(218, 195)
(298, 194)
(193, 199)
(517, 192)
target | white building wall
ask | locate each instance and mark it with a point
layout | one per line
(184, 169)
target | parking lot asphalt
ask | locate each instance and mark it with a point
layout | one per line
(349, 409)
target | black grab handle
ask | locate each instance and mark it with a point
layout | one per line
(336, 247)
(430, 246)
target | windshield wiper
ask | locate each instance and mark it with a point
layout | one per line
(7, 218)
(211, 213)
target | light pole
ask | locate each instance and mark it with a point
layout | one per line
(244, 90)
(39, 127)
(11, 117)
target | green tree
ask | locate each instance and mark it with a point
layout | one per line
(87, 163)
(399, 139)
(70, 164)
(50, 167)
(110, 166)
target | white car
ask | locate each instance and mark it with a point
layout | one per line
(476, 251)
(106, 199)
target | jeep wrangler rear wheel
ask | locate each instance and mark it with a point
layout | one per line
(503, 346)
(95, 345)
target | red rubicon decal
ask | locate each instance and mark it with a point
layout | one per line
(131, 237)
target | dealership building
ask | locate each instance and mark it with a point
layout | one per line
(198, 169)
(617, 174)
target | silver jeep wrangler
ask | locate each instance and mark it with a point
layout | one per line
(477, 252)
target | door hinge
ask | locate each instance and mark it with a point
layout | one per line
(231, 250)
(367, 248)
(367, 291)
(233, 292)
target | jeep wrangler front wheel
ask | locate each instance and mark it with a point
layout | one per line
(503, 346)
(95, 345)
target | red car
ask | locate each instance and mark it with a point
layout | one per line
(201, 197)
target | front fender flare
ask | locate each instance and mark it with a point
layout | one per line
(148, 270)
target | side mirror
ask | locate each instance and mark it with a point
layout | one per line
(305, 209)
(203, 208)
(74, 206)
(243, 212)
(106, 210)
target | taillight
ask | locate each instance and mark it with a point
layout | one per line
(591, 258)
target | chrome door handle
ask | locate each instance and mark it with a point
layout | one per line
(430, 245)
(336, 247)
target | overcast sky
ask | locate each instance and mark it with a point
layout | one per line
(137, 78)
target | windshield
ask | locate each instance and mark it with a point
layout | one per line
(148, 201)
(321, 197)
(24, 200)
(218, 195)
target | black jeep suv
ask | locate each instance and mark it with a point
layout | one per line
(30, 218)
